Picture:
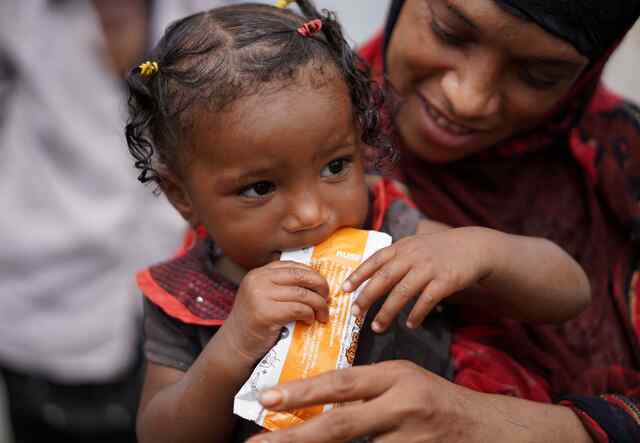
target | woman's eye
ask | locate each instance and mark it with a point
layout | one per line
(258, 190)
(445, 36)
(335, 167)
(538, 81)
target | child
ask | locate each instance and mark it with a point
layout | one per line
(254, 122)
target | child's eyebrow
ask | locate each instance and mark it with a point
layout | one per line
(241, 177)
(327, 150)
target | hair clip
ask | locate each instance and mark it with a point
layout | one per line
(282, 4)
(310, 28)
(146, 171)
(148, 68)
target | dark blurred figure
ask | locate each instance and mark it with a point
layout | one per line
(73, 230)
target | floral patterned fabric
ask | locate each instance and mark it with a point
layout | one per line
(576, 181)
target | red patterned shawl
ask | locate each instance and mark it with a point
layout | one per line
(576, 181)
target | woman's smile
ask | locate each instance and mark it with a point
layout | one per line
(467, 87)
(440, 129)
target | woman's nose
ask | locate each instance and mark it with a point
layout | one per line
(473, 94)
(306, 212)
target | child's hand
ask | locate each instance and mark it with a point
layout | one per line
(269, 298)
(428, 266)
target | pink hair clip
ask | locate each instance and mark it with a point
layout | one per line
(310, 28)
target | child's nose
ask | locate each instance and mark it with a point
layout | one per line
(306, 212)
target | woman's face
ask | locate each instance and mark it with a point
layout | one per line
(470, 75)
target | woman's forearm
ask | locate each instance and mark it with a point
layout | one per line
(520, 420)
(198, 408)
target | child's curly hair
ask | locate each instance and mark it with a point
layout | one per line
(213, 58)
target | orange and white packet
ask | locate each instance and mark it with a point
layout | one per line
(307, 350)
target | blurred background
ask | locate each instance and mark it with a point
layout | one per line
(18, 38)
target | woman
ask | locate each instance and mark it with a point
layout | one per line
(503, 123)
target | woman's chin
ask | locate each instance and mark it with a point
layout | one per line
(430, 152)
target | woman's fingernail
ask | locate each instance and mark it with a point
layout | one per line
(411, 325)
(347, 286)
(270, 398)
(376, 326)
(355, 310)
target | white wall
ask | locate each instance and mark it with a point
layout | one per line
(360, 18)
(623, 72)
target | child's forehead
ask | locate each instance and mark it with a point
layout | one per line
(320, 80)
(298, 113)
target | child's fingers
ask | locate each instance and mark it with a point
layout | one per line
(433, 294)
(379, 285)
(289, 264)
(403, 292)
(294, 311)
(286, 264)
(300, 275)
(368, 268)
(298, 294)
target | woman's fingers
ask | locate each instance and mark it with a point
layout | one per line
(433, 294)
(344, 385)
(298, 294)
(404, 291)
(372, 389)
(428, 226)
(337, 426)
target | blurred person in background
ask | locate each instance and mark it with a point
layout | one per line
(75, 226)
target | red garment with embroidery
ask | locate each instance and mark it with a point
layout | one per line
(576, 181)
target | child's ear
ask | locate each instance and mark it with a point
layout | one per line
(178, 196)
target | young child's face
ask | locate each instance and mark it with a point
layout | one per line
(278, 171)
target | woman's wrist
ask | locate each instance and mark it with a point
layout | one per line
(528, 421)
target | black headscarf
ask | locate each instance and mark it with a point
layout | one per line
(591, 26)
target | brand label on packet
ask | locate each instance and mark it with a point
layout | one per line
(308, 350)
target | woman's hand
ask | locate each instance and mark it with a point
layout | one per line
(269, 298)
(428, 266)
(401, 402)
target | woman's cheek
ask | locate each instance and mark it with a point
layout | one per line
(417, 66)
(526, 107)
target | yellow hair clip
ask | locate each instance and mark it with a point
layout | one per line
(283, 3)
(148, 68)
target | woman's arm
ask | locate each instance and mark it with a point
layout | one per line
(193, 406)
(400, 402)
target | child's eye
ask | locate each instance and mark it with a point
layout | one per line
(258, 190)
(335, 167)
